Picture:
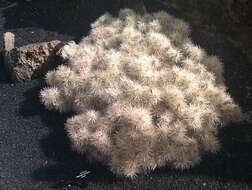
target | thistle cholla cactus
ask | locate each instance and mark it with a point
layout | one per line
(144, 95)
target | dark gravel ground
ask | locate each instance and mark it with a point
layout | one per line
(34, 149)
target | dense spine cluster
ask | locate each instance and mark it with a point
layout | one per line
(144, 95)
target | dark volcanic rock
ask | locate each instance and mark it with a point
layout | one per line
(31, 61)
(30, 52)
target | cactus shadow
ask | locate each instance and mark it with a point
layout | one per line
(231, 163)
(64, 164)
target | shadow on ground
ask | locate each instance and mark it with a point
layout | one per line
(66, 164)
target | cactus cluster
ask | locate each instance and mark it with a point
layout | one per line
(144, 94)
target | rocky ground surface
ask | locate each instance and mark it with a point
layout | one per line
(35, 153)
